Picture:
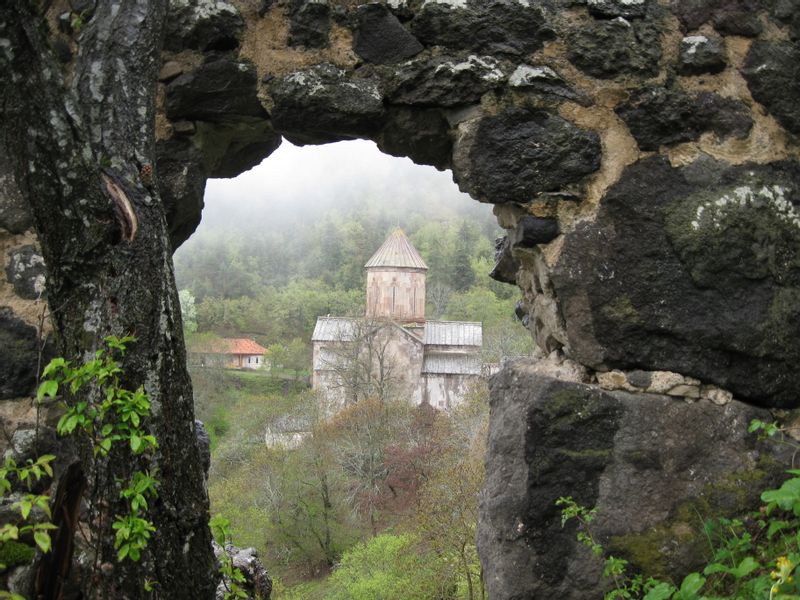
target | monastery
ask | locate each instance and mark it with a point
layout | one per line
(393, 350)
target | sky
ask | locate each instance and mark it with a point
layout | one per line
(294, 182)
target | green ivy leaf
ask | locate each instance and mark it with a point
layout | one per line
(42, 539)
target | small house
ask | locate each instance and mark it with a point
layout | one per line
(230, 353)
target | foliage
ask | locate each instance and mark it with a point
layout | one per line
(232, 577)
(107, 415)
(752, 558)
(387, 566)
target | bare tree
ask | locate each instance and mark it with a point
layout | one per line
(361, 362)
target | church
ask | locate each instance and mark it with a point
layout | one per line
(393, 351)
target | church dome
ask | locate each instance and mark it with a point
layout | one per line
(396, 251)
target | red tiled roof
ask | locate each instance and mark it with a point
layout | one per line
(231, 346)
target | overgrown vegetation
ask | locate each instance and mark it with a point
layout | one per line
(756, 557)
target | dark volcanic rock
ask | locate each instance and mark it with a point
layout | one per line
(19, 356)
(697, 271)
(222, 90)
(204, 444)
(490, 26)
(772, 71)
(734, 17)
(182, 182)
(549, 439)
(520, 153)
(381, 38)
(657, 116)
(323, 104)
(202, 25)
(257, 582)
(15, 215)
(26, 272)
(309, 23)
(618, 8)
(787, 12)
(420, 134)
(546, 82)
(506, 266)
(445, 81)
(531, 231)
(701, 54)
(606, 49)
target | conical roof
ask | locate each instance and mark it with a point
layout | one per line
(396, 251)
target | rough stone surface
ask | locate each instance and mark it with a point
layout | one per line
(323, 104)
(545, 81)
(506, 266)
(607, 49)
(733, 17)
(202, 25)
(257, 584)
(309, 23)
(381, 38)
(26, 272)
(419, 133)
(772, 71)
(657, 116)
(726, 301)
(221, 90)
(204, 443)
(701, 54)
(493, 26)
(618, 8)
(531, 231)
(15, 216)
(445, 80)
(787, 12)
(19, 356)
(520, 153)
(550, 438)
(182, 179)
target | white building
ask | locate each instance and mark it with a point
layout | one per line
(393, 350)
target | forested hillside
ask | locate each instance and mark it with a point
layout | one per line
(382, 496)
(287, 242)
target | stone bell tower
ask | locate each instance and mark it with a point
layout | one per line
(396, 281)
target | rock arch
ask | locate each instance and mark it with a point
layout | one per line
(642, 156)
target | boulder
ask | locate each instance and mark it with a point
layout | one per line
(731, 17)
(606, 49)
(694, 270)
(701, 54)
(202, 25)
(544, 81)
(787, 12)
(381, 38)
(657, 115)
(444, 80)
(26, 272)
(506, 267)
(531, 231)
(220, 90)
(19, 355)
(499, 27)
(618, 8)
(309, 23)
(182, 182)
(257, 582)
(519, 153)
(772, 71)
(550, 438)
(325, 104)
(421, 134)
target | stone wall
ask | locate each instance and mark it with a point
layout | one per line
(643, 158)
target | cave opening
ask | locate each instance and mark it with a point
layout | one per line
(278, 256)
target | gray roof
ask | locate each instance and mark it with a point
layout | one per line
(453, 333)
(453, 364)
(334, 329)
(396, 251)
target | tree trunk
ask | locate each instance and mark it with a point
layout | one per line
(81, 136)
